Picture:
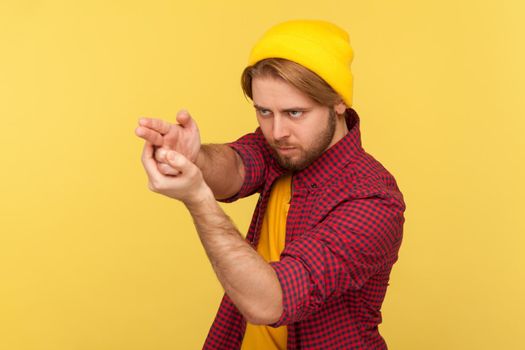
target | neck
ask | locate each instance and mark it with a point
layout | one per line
(340, 129)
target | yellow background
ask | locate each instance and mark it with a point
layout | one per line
(91, 259)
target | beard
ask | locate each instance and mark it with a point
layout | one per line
(309, 155)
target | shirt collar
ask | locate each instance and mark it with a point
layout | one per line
(334, 158)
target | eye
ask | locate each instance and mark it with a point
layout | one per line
(263, 112)
(295, 114)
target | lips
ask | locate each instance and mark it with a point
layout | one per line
(285, 149)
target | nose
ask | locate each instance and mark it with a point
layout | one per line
(280, 128)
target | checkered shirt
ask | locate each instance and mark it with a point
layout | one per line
(343, 233)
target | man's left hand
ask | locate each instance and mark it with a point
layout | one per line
(188, 186)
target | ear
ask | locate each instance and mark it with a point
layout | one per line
(340, 107)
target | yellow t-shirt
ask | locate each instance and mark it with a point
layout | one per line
(270, 246)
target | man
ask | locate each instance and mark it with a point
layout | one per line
(314, 268)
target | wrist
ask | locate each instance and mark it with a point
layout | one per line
(200, 196)
(199, 160)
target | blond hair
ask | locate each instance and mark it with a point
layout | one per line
(293, 73)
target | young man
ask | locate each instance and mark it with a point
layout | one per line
(326, 231)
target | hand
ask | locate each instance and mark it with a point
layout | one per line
(188, 186)
(183, 138)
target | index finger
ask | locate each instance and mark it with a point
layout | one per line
(149, 135)
(158, 125)
(149, 163)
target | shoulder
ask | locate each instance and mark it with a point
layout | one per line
(363, 178)
(255, 138)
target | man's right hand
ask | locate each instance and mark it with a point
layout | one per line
(183, 138)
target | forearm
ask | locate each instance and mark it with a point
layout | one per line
(249, 281)
(222, 169)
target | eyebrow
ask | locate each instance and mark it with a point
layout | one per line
(282, 110)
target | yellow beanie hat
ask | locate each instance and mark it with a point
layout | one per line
(320, 46)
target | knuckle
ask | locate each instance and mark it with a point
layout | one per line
(176, 161)
(155, 186)
(192, 171)
(160, 154)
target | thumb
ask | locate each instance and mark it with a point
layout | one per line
(184, 118)
(177, 161)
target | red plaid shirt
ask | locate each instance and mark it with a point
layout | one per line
(343, 233)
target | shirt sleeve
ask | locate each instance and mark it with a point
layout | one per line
(341, 253)
(255, 156)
